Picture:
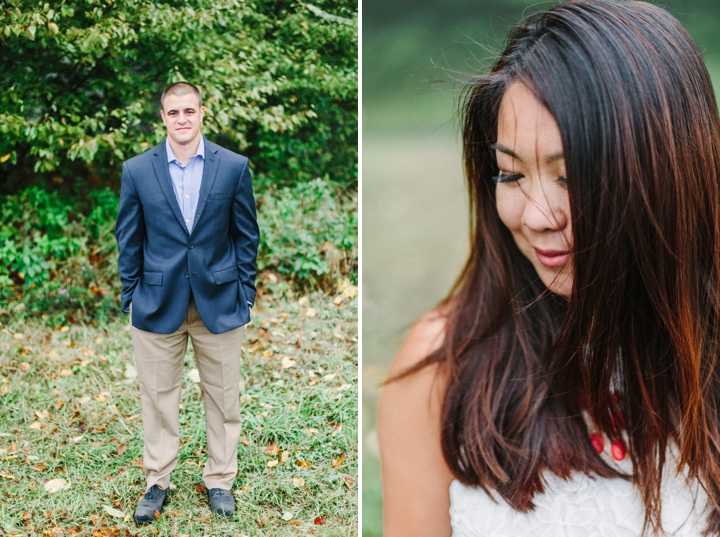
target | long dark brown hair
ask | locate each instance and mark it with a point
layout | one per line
(639, 332)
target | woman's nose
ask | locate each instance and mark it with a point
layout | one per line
(542, 211)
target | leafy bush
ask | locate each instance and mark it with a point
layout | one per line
(58, 255)
(309, 233)
(82, 79)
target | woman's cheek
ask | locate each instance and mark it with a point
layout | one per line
(510, 206)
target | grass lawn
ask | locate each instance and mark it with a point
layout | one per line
(70, 411)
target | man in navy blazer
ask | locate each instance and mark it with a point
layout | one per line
(187, 239)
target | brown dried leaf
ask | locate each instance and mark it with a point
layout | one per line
(303, 464)
(121, 450)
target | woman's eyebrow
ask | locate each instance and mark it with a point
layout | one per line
(503, 149)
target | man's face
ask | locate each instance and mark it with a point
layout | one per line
(182, 116)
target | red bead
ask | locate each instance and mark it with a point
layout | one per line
(617, 448)
(598, 442)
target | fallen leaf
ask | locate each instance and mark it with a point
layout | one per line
(65, 329)
(36, 425)
(310, 312)
(194, 375)
(304, 300)
(347, 289)
(318, 521)
(121, 450)
(65, 373)
(349, 480)
(130, 371)
(330, 376)
(298, 482)
(24, 366)
(19, 336)
(200, 488)
(339, 336)
(113, 512)
(287, 516)
(102, 397)
(98, 340)
(287, 362)
(272, 463)
(244, 441)
(272, 449)
(284, 456)
(77, 439)
(6, 476)
(339, 461)
(56, 485)
(303, 464)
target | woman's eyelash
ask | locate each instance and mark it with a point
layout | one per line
(502, 178)
(510, 178)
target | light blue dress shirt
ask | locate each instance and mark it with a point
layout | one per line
(186, 180)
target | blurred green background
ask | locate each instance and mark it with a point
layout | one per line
(415, 226)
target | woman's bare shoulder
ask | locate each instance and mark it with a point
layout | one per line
(416, 478)
(425, 337)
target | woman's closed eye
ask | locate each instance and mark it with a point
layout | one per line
(507, 177)
(512, 177)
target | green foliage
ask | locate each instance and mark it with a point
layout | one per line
(308, 233)
(82, 78)
(58, 255)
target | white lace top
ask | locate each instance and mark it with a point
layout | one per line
(582, 506)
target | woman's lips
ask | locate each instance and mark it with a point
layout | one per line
(552, 258)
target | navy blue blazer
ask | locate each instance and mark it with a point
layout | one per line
(160, 262)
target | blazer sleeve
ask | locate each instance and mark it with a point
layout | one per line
(245, 232)
(130, 235)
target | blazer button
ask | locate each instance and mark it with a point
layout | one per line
(187, 274)
(191, 246)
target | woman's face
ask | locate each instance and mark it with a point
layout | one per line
(531, 192)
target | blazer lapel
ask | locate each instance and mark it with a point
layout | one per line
(160, 165)
(210, 168)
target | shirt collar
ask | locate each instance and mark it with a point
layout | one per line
(199, 153)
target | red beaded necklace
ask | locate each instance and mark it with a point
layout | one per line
(618, 451)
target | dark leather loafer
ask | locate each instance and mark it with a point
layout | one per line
(222, 502)
(150, 506)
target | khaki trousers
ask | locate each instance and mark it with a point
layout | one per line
(159, 360)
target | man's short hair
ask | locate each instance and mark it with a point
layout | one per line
(178, 89)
